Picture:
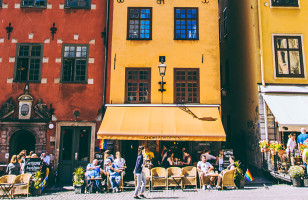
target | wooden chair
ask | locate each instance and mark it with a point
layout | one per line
(22, 184)
(158, 177)
(173, 171)
(190, 176)
(147, 172)
(120, 185)
(6, 179)
(228, 179)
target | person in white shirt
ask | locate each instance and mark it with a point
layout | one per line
(45, 158)
(204, 168)
(119, 161)
(291, 144)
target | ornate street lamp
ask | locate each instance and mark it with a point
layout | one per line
(162, 71)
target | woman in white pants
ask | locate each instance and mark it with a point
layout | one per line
(140, 176)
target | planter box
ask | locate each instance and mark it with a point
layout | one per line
(36, 192)
(305, 181)
(297, 182)
(79, 189)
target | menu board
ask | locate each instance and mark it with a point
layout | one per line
(227, 154)
(99, 157)
(32, 165)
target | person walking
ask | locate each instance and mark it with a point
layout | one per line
(140, 176)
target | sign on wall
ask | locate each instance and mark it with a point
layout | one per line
(32, 165)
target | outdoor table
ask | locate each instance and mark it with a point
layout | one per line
(7, 189)
(210, 176)
(174, 177)
(92, 183)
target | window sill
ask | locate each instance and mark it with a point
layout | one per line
(139, 39)
(299, 76)
(74, 82)
(196, 39)
(16, 81)
(137, 102)
(36, 7)
(77, 8)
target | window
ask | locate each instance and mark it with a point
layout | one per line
(225, 15)
(186, 83)
(288, 56)
(75, 63)
(28, 62)
(33, 3)
(139, 25)
(285, 3)
(77, 3)
(0, 3)
(138, 85)
(186, 24)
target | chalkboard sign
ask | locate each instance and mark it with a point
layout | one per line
(32, 165)
(99, 157)
(227, 154)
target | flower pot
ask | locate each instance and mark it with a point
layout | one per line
(79, 189)
(306, 181)
(297, 182)
(273, 151)
(281, 152)
(240, 184)
(36, 192)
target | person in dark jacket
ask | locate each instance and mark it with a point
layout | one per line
(140, 176)
(13, 167)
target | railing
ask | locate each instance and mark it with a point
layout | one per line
(285, 3)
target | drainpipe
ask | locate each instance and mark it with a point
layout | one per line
(261, 43)
(106, 56)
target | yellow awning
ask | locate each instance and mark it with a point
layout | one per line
(162, 123)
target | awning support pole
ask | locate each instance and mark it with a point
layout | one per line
(265, 119)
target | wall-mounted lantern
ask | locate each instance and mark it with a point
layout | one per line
(9, 30)
(162, 71)
(53, 30)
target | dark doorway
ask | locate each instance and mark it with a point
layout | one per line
(22, 140)
(129, 153)
(74, 151)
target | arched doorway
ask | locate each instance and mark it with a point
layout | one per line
(21, 140)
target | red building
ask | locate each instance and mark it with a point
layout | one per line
(52, 78)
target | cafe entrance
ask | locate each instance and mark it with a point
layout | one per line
(21, 140)
(74, 151)
(129, 153)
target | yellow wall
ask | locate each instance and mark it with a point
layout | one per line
(282, 21)
(179, 53)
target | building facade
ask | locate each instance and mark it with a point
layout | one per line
(144, 98)
(272, 85)
(51, 82)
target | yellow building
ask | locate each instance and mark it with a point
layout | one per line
(184, 35)
(266, 51)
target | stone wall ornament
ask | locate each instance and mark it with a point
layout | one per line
(41, 110)
(7, 108)
(25, 103)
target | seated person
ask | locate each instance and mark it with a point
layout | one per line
(204, 168)
(114, 175)
(120, 162)
(230, 167)
(149, 154)
(93, 171)
(168, 160)
(187, 161)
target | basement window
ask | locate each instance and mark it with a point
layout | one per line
(33, 3)
(285, 3)
(78, 4)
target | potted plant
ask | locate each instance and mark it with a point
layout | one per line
(272, 148)
(78, 180)
(279, 148)
(263, 144)
(239, 179)
(302, 147)
(37, 183)
(296, 173)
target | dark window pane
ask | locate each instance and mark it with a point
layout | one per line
(78, 3)
(84, 141)
(139, 23)
(67, 144)
(186, 86)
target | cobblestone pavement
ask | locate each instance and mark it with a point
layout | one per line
(251, 193)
